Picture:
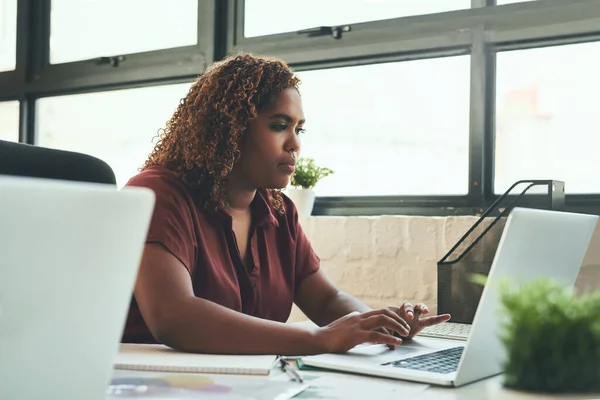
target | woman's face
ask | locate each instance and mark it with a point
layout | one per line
(271, 145)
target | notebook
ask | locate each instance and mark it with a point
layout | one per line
(154, 357)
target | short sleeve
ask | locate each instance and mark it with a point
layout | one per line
(307, 261)
(172, 223)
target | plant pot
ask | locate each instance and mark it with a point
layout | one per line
(304, 199)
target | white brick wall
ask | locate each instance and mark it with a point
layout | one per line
(390, 259)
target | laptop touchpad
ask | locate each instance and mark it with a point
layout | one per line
(409, 348)
(378, 350)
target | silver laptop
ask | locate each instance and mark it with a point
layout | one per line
(534, 243)
(69, 255)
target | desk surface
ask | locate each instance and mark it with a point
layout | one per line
(333, 385)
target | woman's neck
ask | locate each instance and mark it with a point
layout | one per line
(239, 198)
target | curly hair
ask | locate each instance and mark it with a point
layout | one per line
(201, 141)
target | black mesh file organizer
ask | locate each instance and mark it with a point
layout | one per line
(475, 250)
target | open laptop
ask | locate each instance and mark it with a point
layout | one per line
(534, 243)
(69, 255)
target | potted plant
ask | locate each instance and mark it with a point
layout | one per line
(552, 341)
(306, 175)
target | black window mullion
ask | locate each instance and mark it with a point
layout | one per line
(37, 55)
(477, 114)
(27, 120)
(33, 44)
(208, 17)
(489, 133)
(221, 29)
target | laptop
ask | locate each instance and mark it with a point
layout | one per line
(69, 255)
(534, 243)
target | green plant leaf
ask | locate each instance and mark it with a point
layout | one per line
(307, 174)
(479, 279)
(551, 338)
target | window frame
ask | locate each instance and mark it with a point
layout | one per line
(378, 205)
(480, 31)
(44, 78)
(483, 29)
(424, 32)
(584, 203)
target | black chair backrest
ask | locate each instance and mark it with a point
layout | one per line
(40, 162)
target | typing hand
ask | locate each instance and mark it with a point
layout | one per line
(357, 328)
(415, 317)
(415, 320)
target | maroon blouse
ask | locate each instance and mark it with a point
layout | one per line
(282, 256)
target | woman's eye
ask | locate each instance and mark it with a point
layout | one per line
(300, 131)
(279, 127)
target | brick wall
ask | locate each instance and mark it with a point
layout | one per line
(390, 259)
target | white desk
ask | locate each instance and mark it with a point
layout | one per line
(350, 386)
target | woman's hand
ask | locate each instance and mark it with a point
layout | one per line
(415, 320)
(414, 316)
(357, 328)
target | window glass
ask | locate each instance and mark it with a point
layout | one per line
(389, 129)
(87, 29)
(547, 116)
(8, 34)
(117, 127)
(267, 17)
(9, 121)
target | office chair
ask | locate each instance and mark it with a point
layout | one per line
(41, 162)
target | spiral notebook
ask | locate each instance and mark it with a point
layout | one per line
(150, 357)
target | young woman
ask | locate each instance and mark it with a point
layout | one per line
(225, 257)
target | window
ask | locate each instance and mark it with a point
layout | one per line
(8, 34)
(267, 17)
(546, 116)
(86, 29)
(389, 129)
(117, 127)
(9, 121)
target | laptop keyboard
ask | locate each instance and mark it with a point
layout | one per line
(448, 330)
(443, 361)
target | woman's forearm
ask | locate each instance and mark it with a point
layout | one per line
(205, 327)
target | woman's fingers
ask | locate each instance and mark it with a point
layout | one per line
(420, 309)
(408, 310)
(434, 320)
(390, 313)
(381, 338)
(384, 321)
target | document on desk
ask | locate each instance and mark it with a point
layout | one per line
(174, 386)
(151, 357)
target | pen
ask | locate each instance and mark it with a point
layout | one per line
(292, 373)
